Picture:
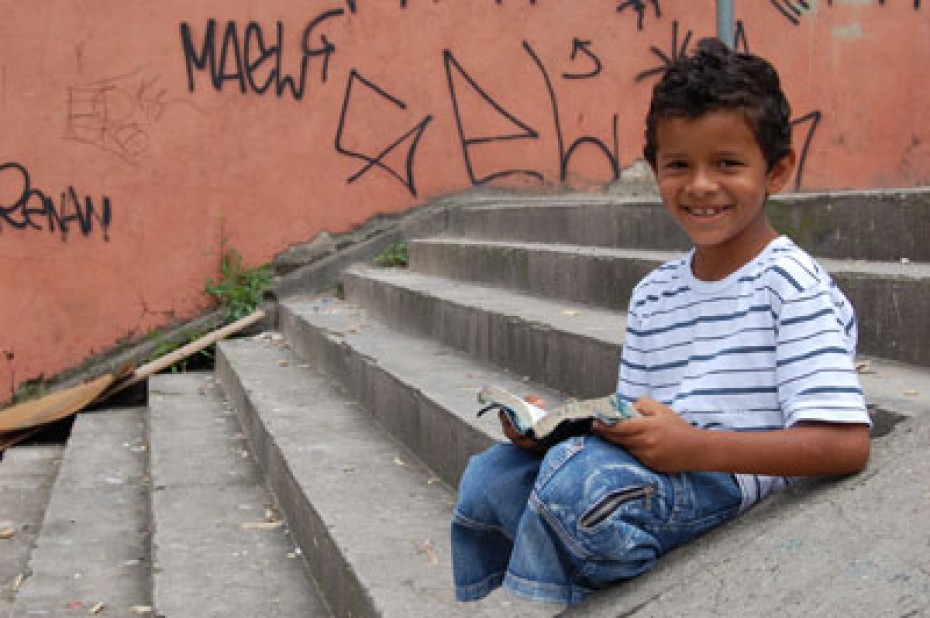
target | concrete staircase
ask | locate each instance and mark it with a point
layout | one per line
(314, 473)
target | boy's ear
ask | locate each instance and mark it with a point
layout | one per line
(780, 174)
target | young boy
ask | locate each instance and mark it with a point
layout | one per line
(739, 357)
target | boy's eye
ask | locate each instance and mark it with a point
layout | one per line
(730, 163)
(675, 164)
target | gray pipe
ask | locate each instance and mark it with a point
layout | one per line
(725, 22)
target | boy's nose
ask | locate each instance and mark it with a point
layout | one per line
(702, 182)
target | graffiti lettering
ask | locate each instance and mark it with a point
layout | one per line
(524, 131)
(413, 135)
(813, 118)
(792, 11)
(678, 51)
(33, 210)
(740, 40)
(253, 61)
(583, 47)
(565, 154)
(244, 62)
(640, 7)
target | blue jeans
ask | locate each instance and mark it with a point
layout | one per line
(587, 514)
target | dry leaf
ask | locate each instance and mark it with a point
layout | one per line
(571, 312)
(141, 609)
(7, 533)
(400, 462)
(426, 548)
(911, 392)
(96, 609)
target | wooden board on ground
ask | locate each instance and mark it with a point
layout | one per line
(20, 421)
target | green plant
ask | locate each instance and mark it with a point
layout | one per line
(32, 389)
(163, 347)
(394, 255)
(239, 290)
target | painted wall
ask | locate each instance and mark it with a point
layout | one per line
(139, 137)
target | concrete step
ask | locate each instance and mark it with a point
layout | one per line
(891, 299)
(597, 276)
(27, 473)
(93, 546)
(421, 391)
(371, 518)
(219, 545)
(571, 347)
(583, 219)
(842, 225)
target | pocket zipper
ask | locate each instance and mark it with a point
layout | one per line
(612, 501)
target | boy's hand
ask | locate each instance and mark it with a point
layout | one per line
(514, 436)
(660, 439)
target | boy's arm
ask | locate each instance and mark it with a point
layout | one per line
(665, 442)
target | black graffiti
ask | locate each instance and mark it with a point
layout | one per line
(524, 131)
(456, 74)
(565, 153)
(640, 7)
(585, 48)
(678, 51)
(250, 62)
(814, 119)
(32, 209)
(740, 40)
(406, 177)
(791, 10)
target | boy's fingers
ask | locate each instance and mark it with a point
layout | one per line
(647, 407)
(536, 400)
(626, 427)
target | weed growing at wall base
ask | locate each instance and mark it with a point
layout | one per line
(394, 255)
(201, 360)
(239, 291)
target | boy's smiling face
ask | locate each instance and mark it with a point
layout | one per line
(714, 180)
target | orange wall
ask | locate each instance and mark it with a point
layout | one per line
(399, 101)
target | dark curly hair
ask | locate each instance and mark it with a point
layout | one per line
(717, 78)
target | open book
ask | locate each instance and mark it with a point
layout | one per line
(550, 426)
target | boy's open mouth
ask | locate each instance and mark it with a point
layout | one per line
(705, 211)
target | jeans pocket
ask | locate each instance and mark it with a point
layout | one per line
(608, 505)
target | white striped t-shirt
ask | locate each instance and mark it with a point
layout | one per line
(768, 346)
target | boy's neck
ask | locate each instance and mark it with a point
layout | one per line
(713, 263)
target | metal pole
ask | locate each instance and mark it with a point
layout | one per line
(725, 22)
